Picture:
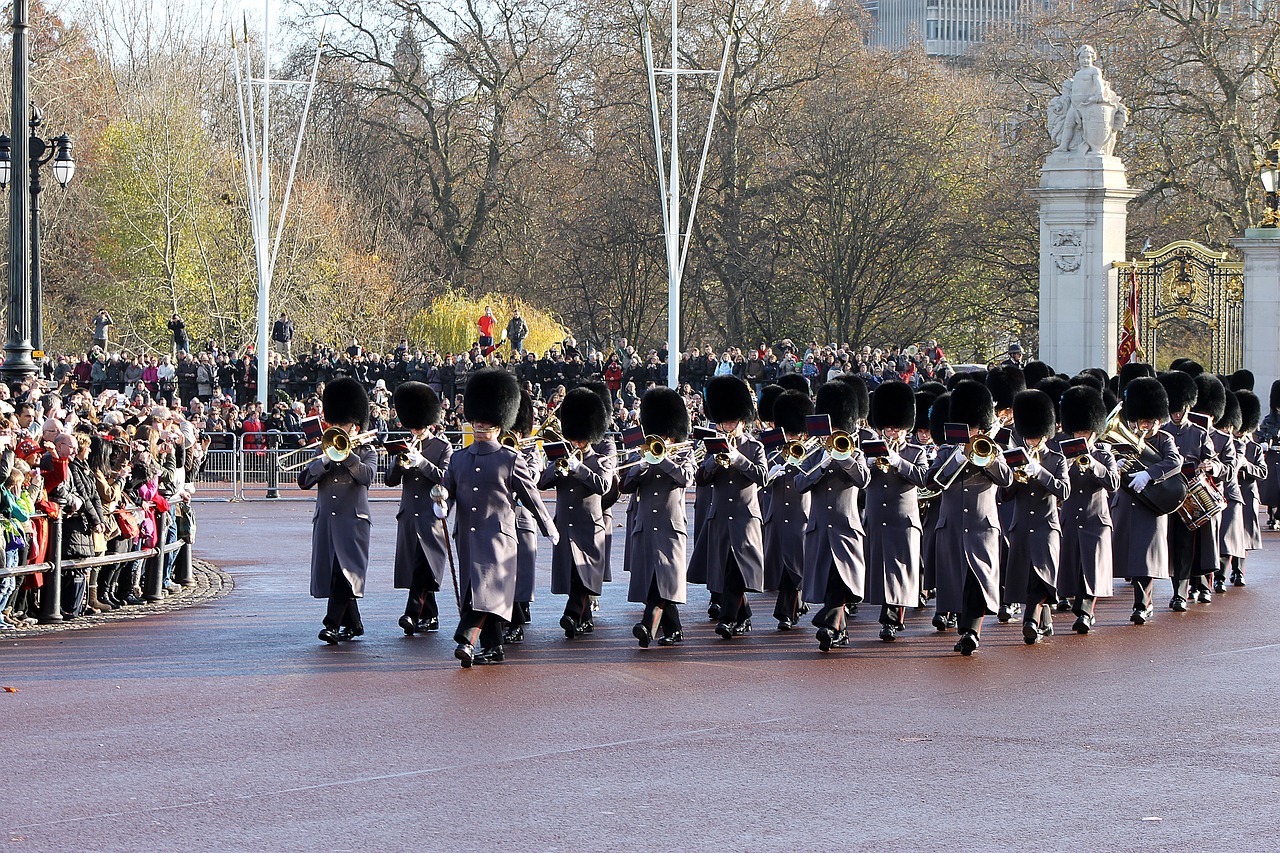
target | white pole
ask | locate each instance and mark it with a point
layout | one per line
(673, 217)
(264, 221)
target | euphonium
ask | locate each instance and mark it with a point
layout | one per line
(1118, 432)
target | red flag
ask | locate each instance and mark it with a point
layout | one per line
(1129, 349)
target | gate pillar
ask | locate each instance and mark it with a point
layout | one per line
(1260, 248)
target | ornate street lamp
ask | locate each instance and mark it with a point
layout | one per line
(40, 152)
(1269, 174)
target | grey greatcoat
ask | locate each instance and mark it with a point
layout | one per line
(1231, 536)
(833, 539)
(786, 513)
(340, 526)
(894, 530)
(657, 538)
(421, 538)
(702, 498)
(968, 540)
(1253, 470)
(527, 532)
(928, 522)
(1035, 534)
(580, 520)
(485, 480)
(1195, 447)
(606, 449)
(1086, 567)
(732, 527)
(1140, 538)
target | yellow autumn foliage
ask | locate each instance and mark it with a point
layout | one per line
(449, 323)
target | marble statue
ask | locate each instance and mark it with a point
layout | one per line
(1086, 116)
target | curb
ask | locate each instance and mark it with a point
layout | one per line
(209, 584)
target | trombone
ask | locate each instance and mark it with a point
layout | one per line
(654, 449)
(336, 444)
(508, 438)
(839, 445)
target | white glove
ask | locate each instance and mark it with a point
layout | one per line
(441, 511)
(1140, 481)
(893, 458)
(825, 461)
(574, 463)
(74, 503)
(1033, 468)
(734, 455)
(776, 470)
(414, 458)
(554, 536)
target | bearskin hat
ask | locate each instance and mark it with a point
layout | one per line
(860, 391)
(1087, 379)
(582, 416)
(1241, 380)
(924, 402)
(893, 405)
(1145, 398)
(934, 387)
(417, 405)
(1188, 366)
(1034, 371)
(524, 419)
(768, 396)
(840, 401)
(1004, 383)
(790, 410)
(1097, 372)
(1275, 395)
(1250, 410)
(728, 399)
(1111, 399)
(1232, 417)
(492, 396)
(1055, 387)
(795, 382)
(1132, 370)
(663, 412)
(1034, 415)
(1211, 396)
(595, 386)
(1083, 410)
(972, 404)
(939, 415)
(346, 402)
(1181, 388)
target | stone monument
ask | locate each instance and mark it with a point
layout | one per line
(1083, 194)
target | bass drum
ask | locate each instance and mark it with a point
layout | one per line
(1162, 498)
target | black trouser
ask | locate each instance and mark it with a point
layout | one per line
(578, 607)
(1038, 594)
(1185, 555)
(836, 596)
(1142, 588)
(1234, 565)
(973, 605)
(660, 612)
(893, 616)
(74, 587)
(788, 605)
(1084, 605)
(343, 611)
(421, 603)
(734, 606)
(520, 614)
(478, 626)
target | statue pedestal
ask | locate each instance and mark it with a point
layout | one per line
(1260, 248)
(1083, 200)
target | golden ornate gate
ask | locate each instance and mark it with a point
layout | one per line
(1191, 304)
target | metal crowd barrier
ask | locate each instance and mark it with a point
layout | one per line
(152, 570)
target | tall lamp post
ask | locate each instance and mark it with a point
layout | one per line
(39, 152)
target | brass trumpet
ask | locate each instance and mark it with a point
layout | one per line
(882, 462)
(1020, 474)
(653, 450)
(562, 464)
(337, 444)
(413, 446)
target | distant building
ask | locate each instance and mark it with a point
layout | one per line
(944, 27)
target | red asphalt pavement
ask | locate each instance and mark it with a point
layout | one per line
(228, 726)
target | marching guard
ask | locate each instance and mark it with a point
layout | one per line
(1253, 472)
(485, 480)
(1193, 554)
(422, 539)
(967, 547)
(1233, 543)
(893, 509)
(939, 411)
(581, 478)
(656, 541)
(1035, 536)
(526, 526)
(340, 526)
(1085, 571)
(786, 514)
(834, 558)
(732, 538)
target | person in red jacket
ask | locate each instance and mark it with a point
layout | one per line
(486, 325)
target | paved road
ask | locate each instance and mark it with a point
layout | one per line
(229, 727)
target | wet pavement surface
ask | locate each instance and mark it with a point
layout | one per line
(228, 726)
